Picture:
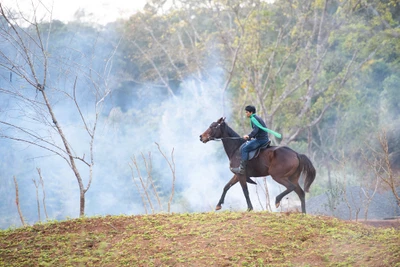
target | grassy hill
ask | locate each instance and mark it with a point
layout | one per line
(201, 239)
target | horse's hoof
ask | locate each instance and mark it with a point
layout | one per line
(217, 207)
(277, 204)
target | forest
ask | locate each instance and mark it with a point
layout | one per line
(105, 119)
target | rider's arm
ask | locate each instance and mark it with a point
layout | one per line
(254, 132)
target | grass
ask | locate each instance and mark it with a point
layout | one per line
(201, 239)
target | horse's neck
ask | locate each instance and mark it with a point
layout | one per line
(231, 146)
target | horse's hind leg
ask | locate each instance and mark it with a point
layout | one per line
(302, 197)
(299, 191)
(233, 181)
(289, 188)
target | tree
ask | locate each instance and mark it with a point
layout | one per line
(316, 70)
(381, 164)
(45, 77)
(191, 39)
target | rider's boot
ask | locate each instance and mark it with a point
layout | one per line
(241, 169)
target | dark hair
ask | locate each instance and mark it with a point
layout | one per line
(250, 109)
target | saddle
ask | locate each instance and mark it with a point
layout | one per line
(254, 153)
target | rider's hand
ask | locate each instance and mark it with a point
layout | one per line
(246, 137)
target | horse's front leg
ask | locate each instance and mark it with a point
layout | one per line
(233, 181)
(242, 180)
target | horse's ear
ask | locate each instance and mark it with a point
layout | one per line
(221, 120)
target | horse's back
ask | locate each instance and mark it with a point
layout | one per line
(281, 160)
(284, 153)
(279, 153)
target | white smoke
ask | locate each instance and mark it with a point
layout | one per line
(175, 124)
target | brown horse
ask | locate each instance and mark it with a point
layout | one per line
(283, 164)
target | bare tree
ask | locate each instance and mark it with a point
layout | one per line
(381, 165)
(146, 186)
(144, 189)
(33, 92)
(171, 164)
(17, 202)
(41, 182)
(37, 198)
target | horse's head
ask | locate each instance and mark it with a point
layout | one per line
(213, 132)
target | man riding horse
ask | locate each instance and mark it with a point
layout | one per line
(257, 138)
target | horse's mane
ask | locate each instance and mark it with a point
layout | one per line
(230, 131)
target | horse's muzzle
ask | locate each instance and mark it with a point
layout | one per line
(203, 140)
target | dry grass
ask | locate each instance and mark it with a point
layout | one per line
(201, 239)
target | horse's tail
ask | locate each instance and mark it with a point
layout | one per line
(308, 170)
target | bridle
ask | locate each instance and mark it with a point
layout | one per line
(221, 138)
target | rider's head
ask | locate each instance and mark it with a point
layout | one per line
(250, 108)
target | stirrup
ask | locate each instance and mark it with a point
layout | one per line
(237, 170)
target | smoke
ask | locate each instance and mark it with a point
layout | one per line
(122, 136)
(173, 123)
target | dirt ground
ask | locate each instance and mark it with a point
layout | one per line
(395, 223)
(204, 239)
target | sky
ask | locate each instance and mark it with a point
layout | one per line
(102, 11)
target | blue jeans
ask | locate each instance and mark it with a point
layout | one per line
(250, 146)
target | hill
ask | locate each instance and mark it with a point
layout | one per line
(201, 239)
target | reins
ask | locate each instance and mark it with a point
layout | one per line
(220, 139)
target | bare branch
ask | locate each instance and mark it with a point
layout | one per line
(150, 179)
(172, 168)
(41, 181)
(137, 186)
(37, 198)
(144, 187)
(17, 201)
(164, 81)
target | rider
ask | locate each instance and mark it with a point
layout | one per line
(257, 138)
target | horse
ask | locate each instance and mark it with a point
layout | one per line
(283, 164)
